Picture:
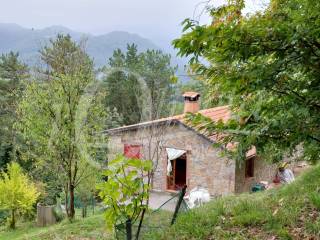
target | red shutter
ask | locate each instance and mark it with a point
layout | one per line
(132, 151)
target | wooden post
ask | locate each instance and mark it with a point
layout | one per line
(182, 193)
(45, 215)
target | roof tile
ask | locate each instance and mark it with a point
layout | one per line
(217, 113)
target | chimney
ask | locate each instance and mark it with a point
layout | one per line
(191, 102)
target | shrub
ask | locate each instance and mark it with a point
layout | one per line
(18, 193)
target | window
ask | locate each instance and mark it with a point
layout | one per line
(250, 167)
(132, 151)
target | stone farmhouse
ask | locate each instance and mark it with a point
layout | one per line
(182, 155)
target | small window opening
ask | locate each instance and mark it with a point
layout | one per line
(250, 167)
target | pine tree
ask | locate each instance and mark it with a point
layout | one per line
(12, 74)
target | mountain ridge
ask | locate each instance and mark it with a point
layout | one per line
(28, 41)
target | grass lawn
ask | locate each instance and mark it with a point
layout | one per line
(290, 212)
(92, 227)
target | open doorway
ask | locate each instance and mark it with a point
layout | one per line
(178, 175)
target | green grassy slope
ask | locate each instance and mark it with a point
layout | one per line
(92, 227)
(290, 212)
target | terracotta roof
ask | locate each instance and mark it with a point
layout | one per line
(218, 113)
(191, 94)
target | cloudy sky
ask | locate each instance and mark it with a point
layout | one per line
(158, 20)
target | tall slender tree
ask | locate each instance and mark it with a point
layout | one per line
(158, 73)
(60, 115)
(140, 85)
(123, 86)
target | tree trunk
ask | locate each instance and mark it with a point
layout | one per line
(13, 220)
(71, 210)
(66, 200)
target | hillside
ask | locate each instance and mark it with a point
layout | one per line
(28, 41)
(291, 212)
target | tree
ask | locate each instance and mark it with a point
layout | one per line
(159, 78)
(122, 86)
(139, 81)
(18, 193)
(12, 74)
(60, 115)
(126, 192)
(267, 65)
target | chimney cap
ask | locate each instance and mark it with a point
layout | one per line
(191, 94)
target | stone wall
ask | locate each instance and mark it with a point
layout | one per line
(263, 171)
(205, 166)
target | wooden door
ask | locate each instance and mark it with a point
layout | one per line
(171, 179)
(178, 175)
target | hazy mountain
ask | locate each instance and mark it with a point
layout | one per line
(28, 41)
(102, 47)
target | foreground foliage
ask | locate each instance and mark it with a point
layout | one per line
(18, 193)
(126, 192)
(267, 66)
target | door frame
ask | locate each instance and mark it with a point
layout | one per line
(173, 187)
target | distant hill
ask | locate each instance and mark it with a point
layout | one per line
(28, 41)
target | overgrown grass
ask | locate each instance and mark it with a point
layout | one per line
(291, 212)
(92, 227)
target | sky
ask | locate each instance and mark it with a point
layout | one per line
(158, 20)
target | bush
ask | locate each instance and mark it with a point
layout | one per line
(18, 193)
